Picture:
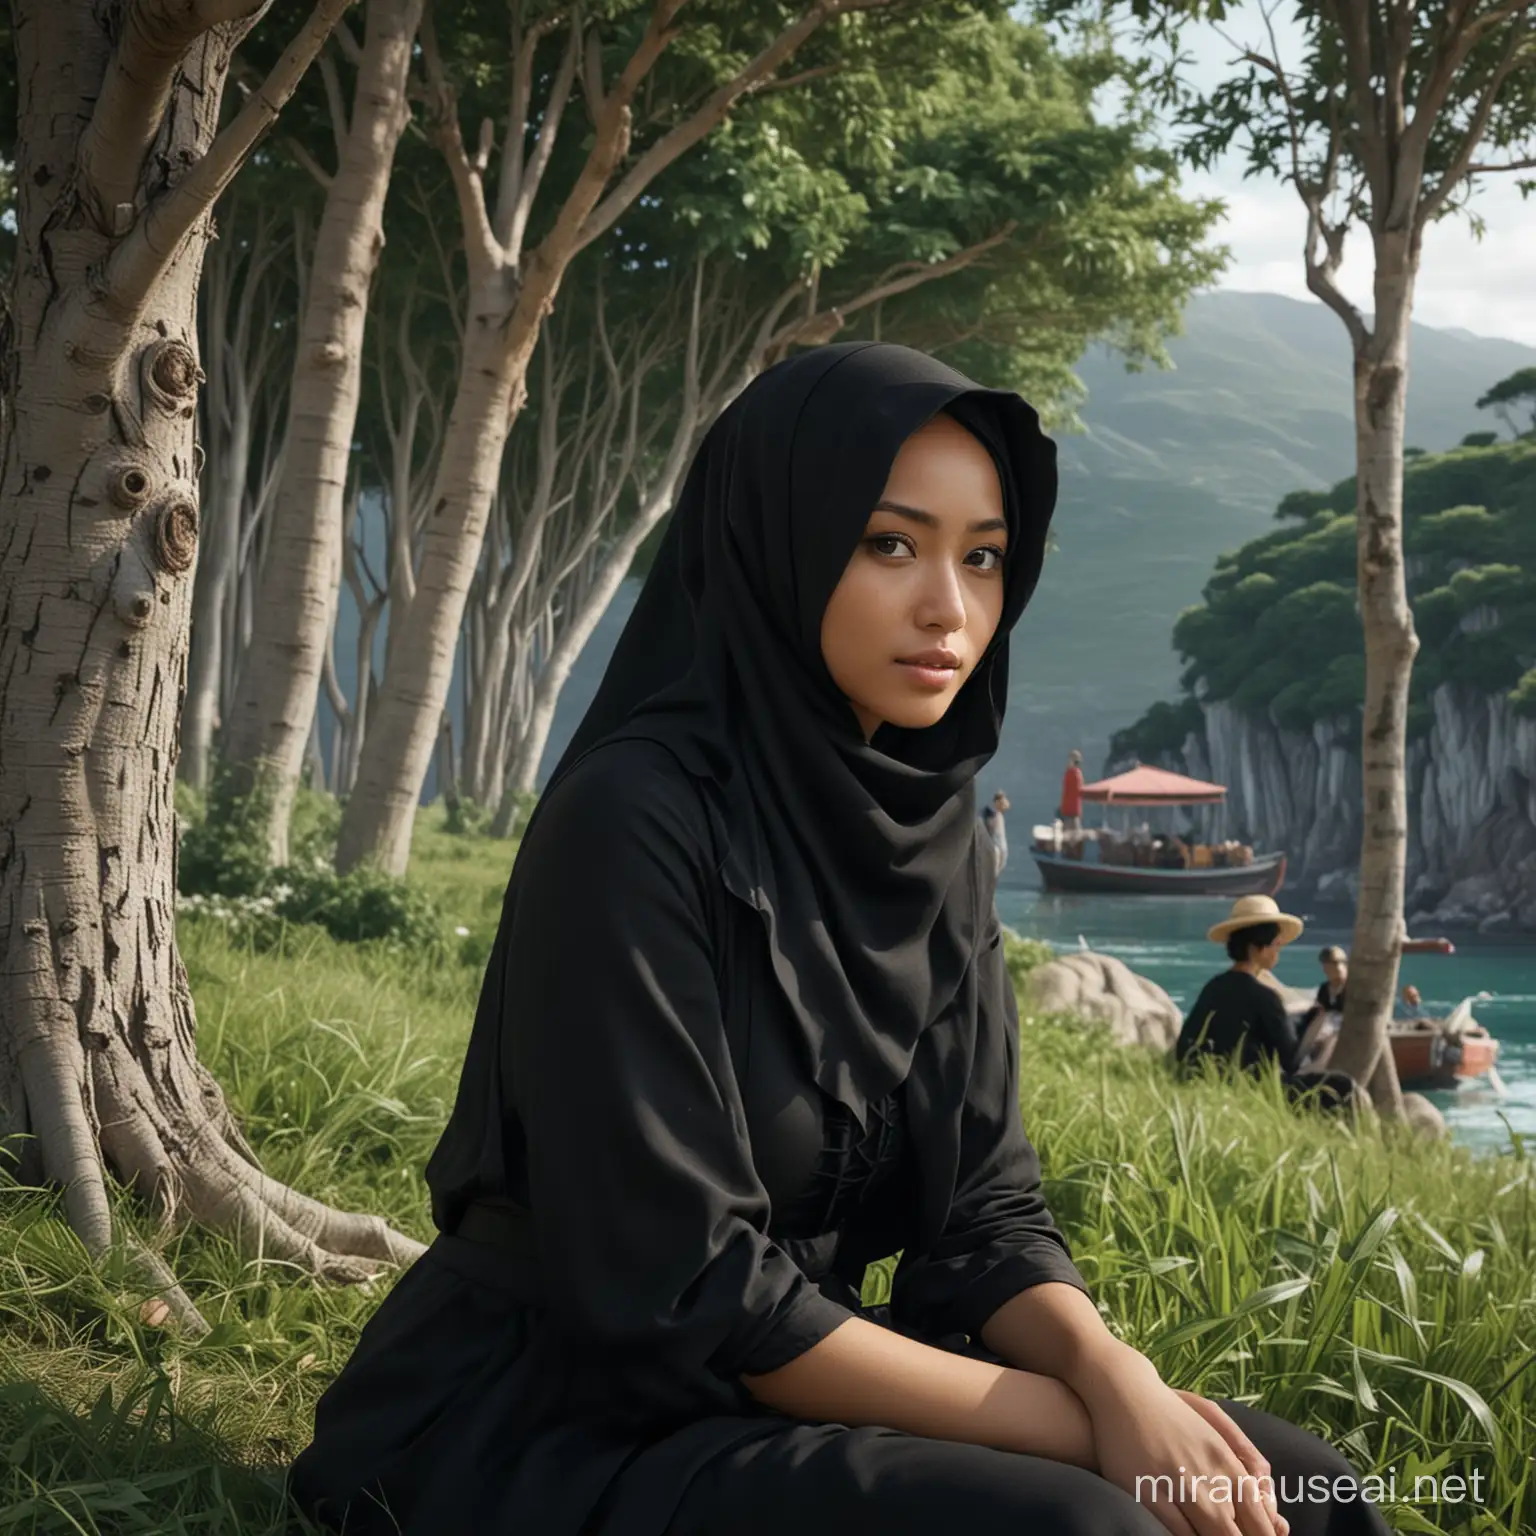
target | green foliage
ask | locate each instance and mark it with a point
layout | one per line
(223, 849)
(1160, 734)
(1279, 630)
(1517, 392)
(468, 818)
(223, 875)
(1479, 439)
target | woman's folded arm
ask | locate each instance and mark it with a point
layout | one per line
(649, 1218)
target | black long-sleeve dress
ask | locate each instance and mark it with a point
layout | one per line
(700, 1209)
(663, 1201)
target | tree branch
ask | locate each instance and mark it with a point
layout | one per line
(1352, 20)
(1321, 279)
(155, 37)
(138, 261)
(480, 241)
(514, 202)
(915, 273)
(335, 102)
(1460, 166)
(307, 161)
(347, 41)
(689, 132)
(1508, 165)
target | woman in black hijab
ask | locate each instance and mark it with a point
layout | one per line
(745, 1028)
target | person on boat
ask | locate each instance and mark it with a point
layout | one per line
(1071, 811)
(992, 820)
(1410, 1007)
(746, 1026)
(1240, 1015)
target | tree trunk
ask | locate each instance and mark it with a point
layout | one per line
(576, 630)
(270, 715)
(376, 823)
(216, 564)
(98, 541)
(1381, 394)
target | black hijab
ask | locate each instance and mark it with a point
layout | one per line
(861, 857)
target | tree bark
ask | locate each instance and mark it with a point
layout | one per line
(1381, 396)
(98, 541)
(269, 718)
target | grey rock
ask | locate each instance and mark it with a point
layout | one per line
(1095, 986)
(1422, 1116)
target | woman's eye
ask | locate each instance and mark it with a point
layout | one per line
(888, 543)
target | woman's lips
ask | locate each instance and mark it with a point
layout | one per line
(928, 677)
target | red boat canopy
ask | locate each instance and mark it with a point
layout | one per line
(1153, 786)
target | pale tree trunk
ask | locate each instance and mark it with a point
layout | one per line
(270, 716)
(1381, 400)
(1395, 149)
(239, 341)
(509, 294)
(98, 540)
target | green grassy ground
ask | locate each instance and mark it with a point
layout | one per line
(1385, 1297)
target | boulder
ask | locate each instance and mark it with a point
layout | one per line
(1101, 987)
(1422, 1116)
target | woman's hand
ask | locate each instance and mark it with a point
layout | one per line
(1177, 1453)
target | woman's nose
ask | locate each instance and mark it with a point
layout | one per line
(942, 603)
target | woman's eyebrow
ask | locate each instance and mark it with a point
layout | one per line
(985, 525)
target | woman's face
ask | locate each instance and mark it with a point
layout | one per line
(926, 577)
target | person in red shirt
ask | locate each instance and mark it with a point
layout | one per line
(1071, 812)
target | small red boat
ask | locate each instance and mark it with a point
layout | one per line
(1428, 1057)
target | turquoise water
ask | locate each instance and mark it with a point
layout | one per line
(1163, 938)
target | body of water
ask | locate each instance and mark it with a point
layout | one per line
(1163, 938)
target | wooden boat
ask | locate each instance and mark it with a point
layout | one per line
(1428, 1057)
(1263, 877)
(1075, 863)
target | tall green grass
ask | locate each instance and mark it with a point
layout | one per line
(1383, 1295)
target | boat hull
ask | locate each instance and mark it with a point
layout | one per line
(1427, 1059)
(1263, 877)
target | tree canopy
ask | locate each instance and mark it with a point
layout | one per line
(1279, 631)
(1518, 391)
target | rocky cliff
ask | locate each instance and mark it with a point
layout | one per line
(1471, 799)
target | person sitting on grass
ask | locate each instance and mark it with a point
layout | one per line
(748, 1026)
(1320, 1023)
(1238, 1015)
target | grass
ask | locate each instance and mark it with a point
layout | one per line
(1382, 1295)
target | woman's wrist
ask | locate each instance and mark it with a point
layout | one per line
(1107, 1364)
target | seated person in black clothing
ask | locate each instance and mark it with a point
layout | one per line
(1320, 1023)
(1239, 1015)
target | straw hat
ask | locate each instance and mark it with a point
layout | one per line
(1249, 912)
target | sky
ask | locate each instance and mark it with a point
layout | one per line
(1484, 286)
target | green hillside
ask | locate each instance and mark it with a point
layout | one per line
(1278, 628)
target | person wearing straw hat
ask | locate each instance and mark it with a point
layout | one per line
(1240, 1015)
